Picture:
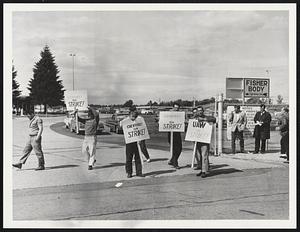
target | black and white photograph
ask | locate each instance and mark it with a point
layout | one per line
(149, 115)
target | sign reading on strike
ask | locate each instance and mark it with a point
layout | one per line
(134, 131)
(171, 121)
(76, 99)
(256, 87)
(199, 131)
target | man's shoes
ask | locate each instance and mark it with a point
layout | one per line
(39, 168)
(18, 165)
(90, 167)
(148, 160)
(203, 175)
(140, 175)
(129, 175)
(199, 174)
(176, 166)
(170, 163)
(255, 152)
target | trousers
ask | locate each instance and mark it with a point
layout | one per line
(133, 151)
(89, 148)
(144, 149)
(35, 145)
(257, 145)
(177, 147)
(234, 135)
(285, 145)
(203, 161)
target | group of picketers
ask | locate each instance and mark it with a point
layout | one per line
(237, 119)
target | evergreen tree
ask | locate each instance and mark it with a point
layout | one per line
(15, 87)
(45, 87)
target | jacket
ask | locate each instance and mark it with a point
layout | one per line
(263, 131)
(238, 120)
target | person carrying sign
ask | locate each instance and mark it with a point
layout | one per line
(132, 150)
(90, 138)
(34, 142)
(203, 148)
(238, 120)
(262, 120)
(177, 143)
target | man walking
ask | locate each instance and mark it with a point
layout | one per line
(34, 142)
(262, 120)
(90, 138)
(238, 122)
(203, 148)
(177, 143)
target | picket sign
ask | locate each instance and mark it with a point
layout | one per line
(170, 121)
(134, 131)
(198, 131)
(76, 99)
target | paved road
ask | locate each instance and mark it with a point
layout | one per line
(249, 194)
(243, 186)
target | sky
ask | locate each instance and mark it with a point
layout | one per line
(154, 55)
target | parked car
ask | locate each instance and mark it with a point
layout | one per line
(114, 122)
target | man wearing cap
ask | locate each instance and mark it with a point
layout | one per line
(238, 122)
(262, 120)
(34, 142)
(90, 138)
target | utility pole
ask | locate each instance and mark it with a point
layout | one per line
(73, 57)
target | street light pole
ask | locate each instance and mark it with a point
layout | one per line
(73, 56)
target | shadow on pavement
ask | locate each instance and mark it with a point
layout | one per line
(110, 165)
(156, 173)
(218, 166)
(158, 159)
(223, 171)
(62, 166)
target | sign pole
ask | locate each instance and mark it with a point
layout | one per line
(171, 142)
(215, 129)
(220, 122)
(140, 154)
(194, 154)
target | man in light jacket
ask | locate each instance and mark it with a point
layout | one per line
(238, 122)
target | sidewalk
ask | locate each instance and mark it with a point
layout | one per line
(65, 164)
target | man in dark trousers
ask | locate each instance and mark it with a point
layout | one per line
(262, 120)
(34, 142)
(132, 150)
(90, 138)
(177, 143)
(284, 132)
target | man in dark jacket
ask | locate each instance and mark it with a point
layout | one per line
(262, 120)
(284, 132)
(177, 143)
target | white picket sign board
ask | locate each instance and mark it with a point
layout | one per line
(134, 131)
(199, 131)
(76, 99)
(171, 121)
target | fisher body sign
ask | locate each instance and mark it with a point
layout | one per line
(199, 131)
(171, 121)
(134, 131)
(256, 87)
(76, 99)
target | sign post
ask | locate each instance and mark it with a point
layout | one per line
(171, 121)
(76, 99)
(194, 154)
